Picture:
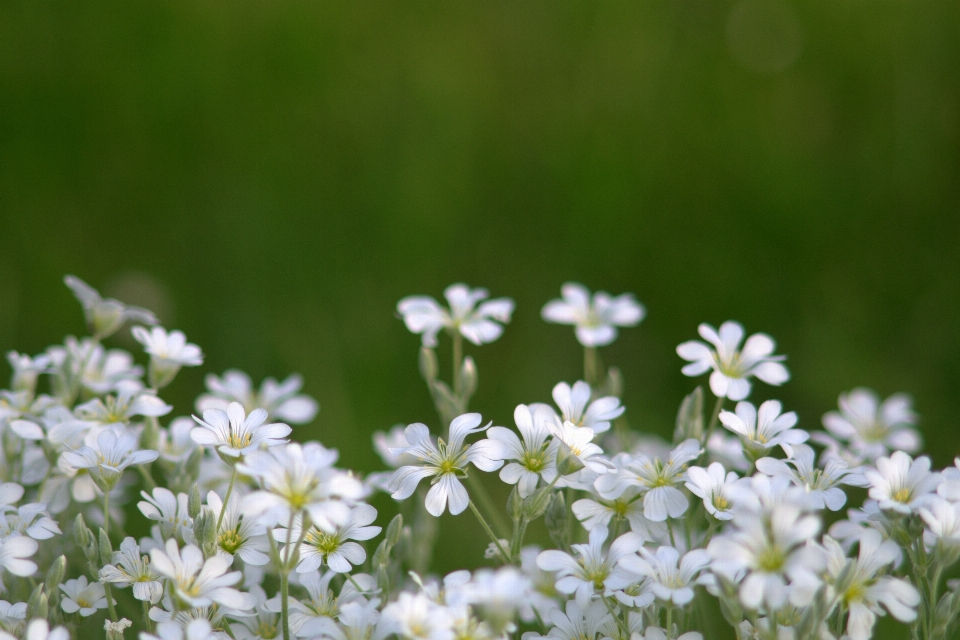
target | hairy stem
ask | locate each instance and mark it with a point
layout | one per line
(493, 536)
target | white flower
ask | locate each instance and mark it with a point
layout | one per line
(445, 463)
(199, 582)
(109, 371)
(657, 479)
(670, 581)
(279, 399)
(902, 484)
(417, 617)
(129, 568)
(943, 523)
(542, 598)
(105, 316)
(334, 549)
(478, 324)
(30, 520)
(576, 408)
(239, 535)
(169, 510)
(497, 595)
(949, 487)
(13, 550)
(770, 549)
(588, 573)
(872, 428)
(175, 444)
(732, 366)
(597, 319)
(235, 434)
(711, 486)
(535, 457)
(81, 596)
(309, 618)
(195, 629)
(26, 370)
(657, 633)
(862, 592)
(168, 352)
(300, 477)
(821, 484)
(111, 456)
(578, 441)
(393, 440)
(760, 431)
(40, 630)
(262, 626)
(579, 622)
(130, 401)
(594, 513)
(11, 615)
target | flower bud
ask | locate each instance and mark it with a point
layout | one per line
(106, 549)
(468, 378)
(428, 364)
(194, 502)
(81, 532)
(394, 530)
(55, 574)
(37, 605)
(536, 505)
(567, 462)
(515, 504)
(690, 418)
(555, 518)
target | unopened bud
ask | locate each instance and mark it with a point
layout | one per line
(468, 378)
(37, 605)
(80, 531)
(555, 518)
(55, 574)
(150, 435)
(428, 364)
(106, 549)
(382, 555)
(567, 462)
(192, 466)
(515, 504)
(536, 505)
(394, 530)
(690, 418)
(194, 502)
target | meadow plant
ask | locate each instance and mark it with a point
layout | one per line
(255, 536)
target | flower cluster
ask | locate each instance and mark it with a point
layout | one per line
(254, 534)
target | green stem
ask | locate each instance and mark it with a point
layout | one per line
(284, 604)
(590, 366)
(670, 622)
(147, 477)
(493, 536)
(146, 616)
(457, 361)
(107, 591)
(713, 417)
(226, 499)
(476, 485)
(620, 623)
(106, 513)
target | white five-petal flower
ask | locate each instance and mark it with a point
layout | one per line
(596, 319)
(902, 484)
(576, 408)
(532, 458)
(478, 324)
(199, 582)
(733, 366)
(234, 434)
(446, 463)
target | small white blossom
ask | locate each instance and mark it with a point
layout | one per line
(13, 552)
(576, 408)
(29, 520)
(711, 485)
(599, 512)
(902, 484)
(168, 352)
(445, 463)
(129, 568)
(82, 596)
(949, 487)
(762, 430)
(105, 316)
(199, 582)
(169, 510)
(39, 629)
(671, 577)
(336, 549)
(578, 441)
(239, 535)
(300, 477)
(234, 434)
(534, 457)
(821, 484)
(478, 324)
(862, 590)
(659, 480)
(120, 409)
(580, 621)
(417, 617)
(943, 523)
(26, 370)
(112, 455)
(771, 550)
(587, 573)
(733, 366)
(873, 428)
(596, 319)
(279, 399)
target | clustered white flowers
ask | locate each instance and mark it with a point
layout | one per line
(253, 534)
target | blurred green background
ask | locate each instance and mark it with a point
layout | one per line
(272, 177)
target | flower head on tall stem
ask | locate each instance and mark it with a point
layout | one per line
(446, 463)
(596, 318)
(235, 434)
(732, 365)
(478, 324)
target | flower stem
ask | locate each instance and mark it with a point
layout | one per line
(146, 616)
(457, 361)
(620, 624)
(713, 418)
(493, 536)
(487, 503)
(590, 366)
(226, 499)
(107, 591)
(284, 605)
(106, 514)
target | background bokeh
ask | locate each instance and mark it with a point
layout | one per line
(272, 177)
